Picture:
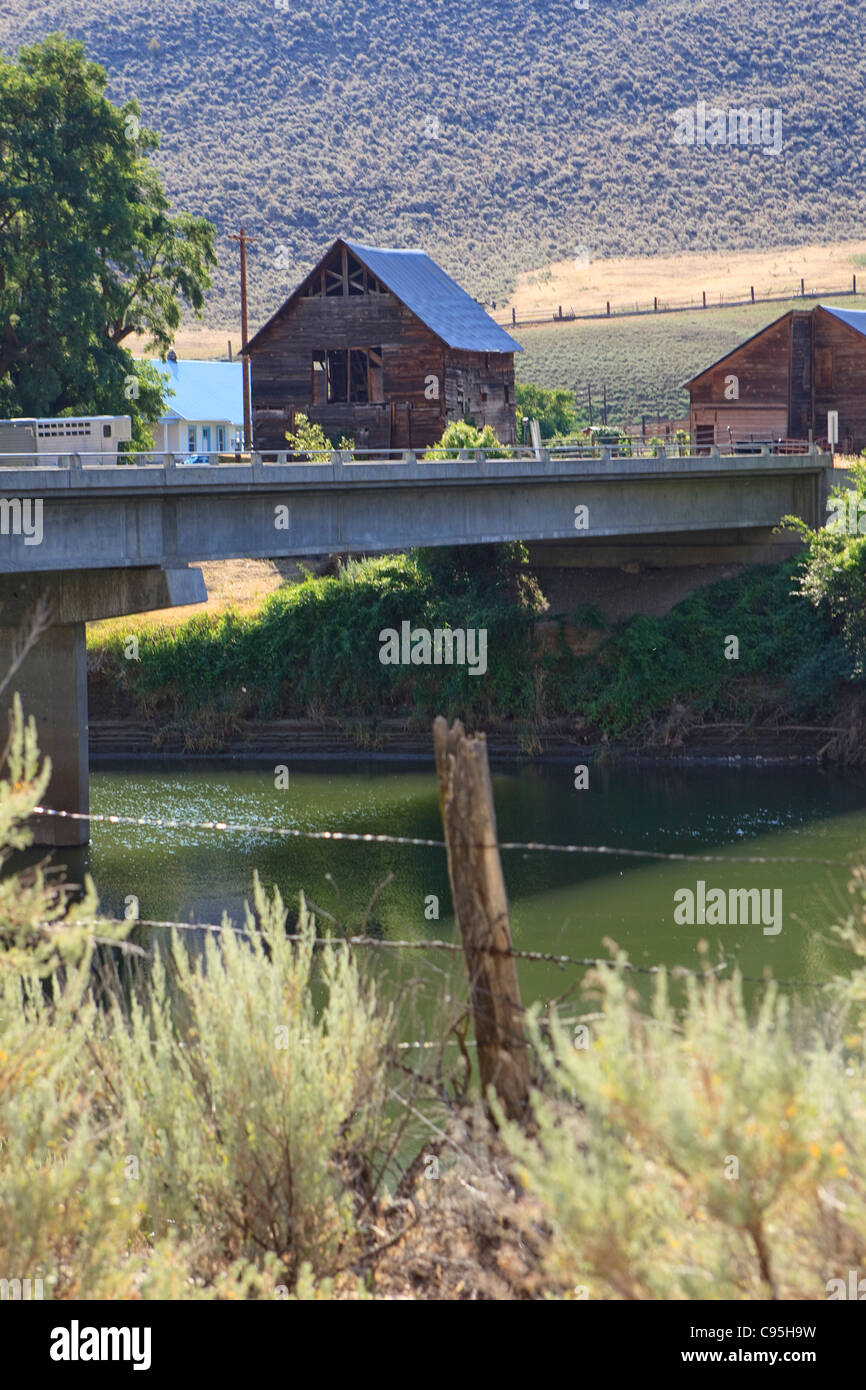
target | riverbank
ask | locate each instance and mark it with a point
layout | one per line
(391, 740)
(743, 668)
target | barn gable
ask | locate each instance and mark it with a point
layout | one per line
(707, 372)
(383, 346)
(350, 269)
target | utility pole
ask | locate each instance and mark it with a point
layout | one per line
(244, 241)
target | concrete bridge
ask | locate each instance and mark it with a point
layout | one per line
(104, 540)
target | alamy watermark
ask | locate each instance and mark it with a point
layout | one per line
(855, 1289)
(22, 516)
(77, 1343)
(738, 907)
(18, 1290)
(710, 126)
(849, 514)
(449, 646)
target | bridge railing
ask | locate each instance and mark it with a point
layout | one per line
(605, 450)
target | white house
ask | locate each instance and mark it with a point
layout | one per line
(206, 413)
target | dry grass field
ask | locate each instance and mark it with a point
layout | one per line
(197, 343)
(630, 280)
(240, 584)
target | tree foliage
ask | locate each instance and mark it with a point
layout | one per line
(465, 435)
(833, 574)
(309, 441)
(552, 408)
(89, 253)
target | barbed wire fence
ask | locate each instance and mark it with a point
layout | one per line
(562, 960)
(480, 909)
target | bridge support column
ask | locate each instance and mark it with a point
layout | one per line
(52, 683)
(52, 680)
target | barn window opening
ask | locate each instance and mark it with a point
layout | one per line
(344, 376)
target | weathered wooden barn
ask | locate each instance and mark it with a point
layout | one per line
(781, 383)
(383, 346)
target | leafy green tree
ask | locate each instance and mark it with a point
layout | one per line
(554, 410)
(463, 434)
(309, 439)
(89, 254)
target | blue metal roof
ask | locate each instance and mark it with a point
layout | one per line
(855, 318)
(204, 391)
(438, 301)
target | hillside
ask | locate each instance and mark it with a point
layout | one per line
(497, 136)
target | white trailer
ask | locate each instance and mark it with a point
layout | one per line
(44, 443)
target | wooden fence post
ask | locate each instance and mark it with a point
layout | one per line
(481, 908)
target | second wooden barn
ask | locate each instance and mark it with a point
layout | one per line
(781, 383)
(383, 346)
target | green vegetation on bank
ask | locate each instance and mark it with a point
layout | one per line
(312, 650)
(314, 647)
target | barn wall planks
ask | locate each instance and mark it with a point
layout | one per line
(783, 382)
(424, 383)
(839, 376)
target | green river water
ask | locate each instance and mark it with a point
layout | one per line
(566, 903)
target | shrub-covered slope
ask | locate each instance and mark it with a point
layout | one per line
(496, 135)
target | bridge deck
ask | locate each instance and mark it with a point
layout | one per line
(106, 516)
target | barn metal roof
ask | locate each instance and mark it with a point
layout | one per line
(422, 285)
(855, 318)
(204, 391)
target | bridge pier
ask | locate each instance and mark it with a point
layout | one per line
(52, 679)
(52, 683)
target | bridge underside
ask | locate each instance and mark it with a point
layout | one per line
(759, 545)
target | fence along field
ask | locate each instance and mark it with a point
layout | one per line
(585, 283)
